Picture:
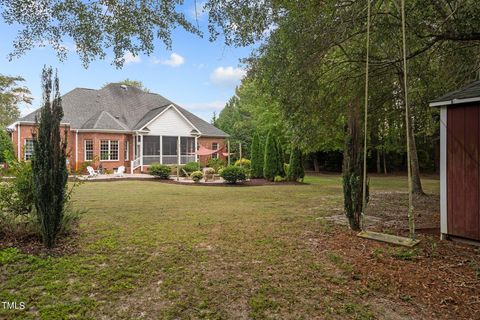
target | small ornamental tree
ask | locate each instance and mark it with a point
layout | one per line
(352, 171)
(49, 162)
(295, 169)
(257, 157)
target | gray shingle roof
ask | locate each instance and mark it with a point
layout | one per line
(118, 107)
(463, 95)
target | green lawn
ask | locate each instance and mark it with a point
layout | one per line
(162, 251)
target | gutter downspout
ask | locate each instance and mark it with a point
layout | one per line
(76, 150)
(18, 142)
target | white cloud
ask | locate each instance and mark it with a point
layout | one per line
(227, 76)
(175, 60)
(130, 58)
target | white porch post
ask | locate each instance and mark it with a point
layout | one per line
(141, 153)
(178, 158)
(196, 148)
(161, 149)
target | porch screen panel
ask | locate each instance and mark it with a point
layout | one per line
(151, 149)
(187, 147)
(169, 146)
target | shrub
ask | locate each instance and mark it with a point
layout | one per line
(209, 171)
(245, 163)
(191, 167)
(295, 170)
(257, 157)
(232, 174)
(196, 176)
(6, 147)
(216, 163)
(16, 195)
(279, 179)
(159, 170)
(273, 165)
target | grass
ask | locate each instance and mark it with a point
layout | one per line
(154, 250)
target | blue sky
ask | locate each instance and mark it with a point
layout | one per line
(196, 74)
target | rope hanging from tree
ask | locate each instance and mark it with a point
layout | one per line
(411, 221)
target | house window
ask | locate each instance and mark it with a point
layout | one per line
(126, 150)
(109, 150)
(88, 150)
(28, 149)
(215, 147)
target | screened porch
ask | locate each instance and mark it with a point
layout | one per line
(164, 149)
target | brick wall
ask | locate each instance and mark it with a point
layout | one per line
(75, 159)
(207, 143)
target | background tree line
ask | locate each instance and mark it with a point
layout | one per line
(310, 69)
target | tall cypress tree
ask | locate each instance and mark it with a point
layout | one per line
(49, 166)
(295, 168)
(257, 157)
(280, 159)
(270, 163)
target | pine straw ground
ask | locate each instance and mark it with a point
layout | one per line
(149, 250)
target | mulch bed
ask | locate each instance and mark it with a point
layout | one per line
(31, 245)
(248, 183)
(435, 280)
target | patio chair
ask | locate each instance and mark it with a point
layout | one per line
(120, 171)
(91, 172)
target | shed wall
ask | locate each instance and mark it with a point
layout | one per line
(463, 171)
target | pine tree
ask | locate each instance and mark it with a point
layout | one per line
(352, 171)
(270, 163)
(49, 161)
(295, 168)
(257, 157)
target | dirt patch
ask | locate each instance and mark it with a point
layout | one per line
(437, 279)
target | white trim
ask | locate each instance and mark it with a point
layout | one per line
(19, 132)
(161, 149)
(126, 151)
(85, 150)
(109, 150)
(105, 131)
(163, 111)
(453, 101)
(443, 171)
(76, 150)
(196, 150)
(25, 148)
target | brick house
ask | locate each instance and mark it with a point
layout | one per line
(121, 125)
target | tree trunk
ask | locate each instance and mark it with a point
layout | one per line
(384, 162)
(379, 162)
(316, 165)
(416, 182)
